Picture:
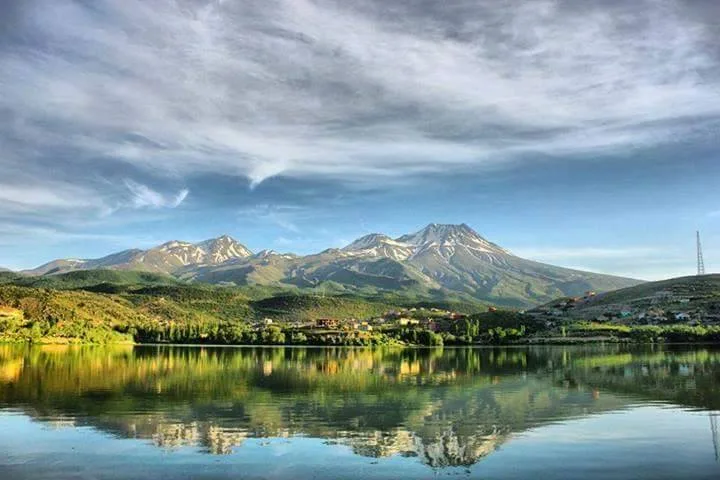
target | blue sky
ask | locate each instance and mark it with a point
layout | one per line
(583, 134)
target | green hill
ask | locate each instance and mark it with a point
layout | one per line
(63, 316)
(697, 289)
(116, 280)
(309, 307)
(698, 297)
(99, 306)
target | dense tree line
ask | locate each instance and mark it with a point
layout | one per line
(166, 314)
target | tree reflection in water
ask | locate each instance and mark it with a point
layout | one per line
(448, 407)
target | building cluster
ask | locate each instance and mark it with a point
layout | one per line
(663, 307)
(434, 319)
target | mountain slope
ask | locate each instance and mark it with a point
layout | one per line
(166, 258)
(379, 245)
(433, 262)
(457, 258)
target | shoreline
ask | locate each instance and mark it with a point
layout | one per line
(546, 341)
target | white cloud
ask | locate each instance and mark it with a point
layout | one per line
(371, 93)
(283, 242)
(350, 92)
(592, 253)
(50, 235)
(145, 197)
(280, 215)
(642, 262)
(48, 195)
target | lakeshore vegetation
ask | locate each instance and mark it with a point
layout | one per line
(130, 307)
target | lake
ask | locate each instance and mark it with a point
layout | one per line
(153, 412)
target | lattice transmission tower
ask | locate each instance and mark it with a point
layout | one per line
(700, 260)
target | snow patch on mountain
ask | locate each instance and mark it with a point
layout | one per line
(379, 245)
(449, 236)
(436, 239)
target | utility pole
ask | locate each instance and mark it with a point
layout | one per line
(700, 260)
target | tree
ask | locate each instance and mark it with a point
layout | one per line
(273, 335)
(429, 338)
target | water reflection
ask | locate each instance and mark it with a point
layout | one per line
(450, 407)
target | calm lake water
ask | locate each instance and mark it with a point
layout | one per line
(202, 413)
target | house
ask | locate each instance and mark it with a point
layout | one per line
(404, 322)
(364, 327)
(326, 323)
(662, 296)
(682, 317)
(429, 324)
(267, 321)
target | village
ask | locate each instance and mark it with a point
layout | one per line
(661, 308)
(433, 319)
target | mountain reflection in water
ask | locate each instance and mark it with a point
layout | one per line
(446, 407)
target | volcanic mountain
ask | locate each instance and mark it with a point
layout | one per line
(166, 258)
(435, 261)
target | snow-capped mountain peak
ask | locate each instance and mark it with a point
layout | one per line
(439, 238)
(450, 236)
(453, 258)
(368, 241)
(379, 245)
(221, 249)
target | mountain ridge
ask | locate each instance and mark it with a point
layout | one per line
(436, 258)
(164, 258)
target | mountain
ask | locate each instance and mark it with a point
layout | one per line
(379, 245)
(434, 262)
(222, 249)
(169, 257)
(446, 238)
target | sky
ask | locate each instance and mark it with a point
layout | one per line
(579, 133)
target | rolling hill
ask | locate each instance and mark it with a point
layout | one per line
(698, 297)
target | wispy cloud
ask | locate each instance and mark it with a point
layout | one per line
(280, 215)
(49, 195)
(643, 262)
(374, 94)
(588, 253)
(45, 235)
(353, 92)
(145, 197)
